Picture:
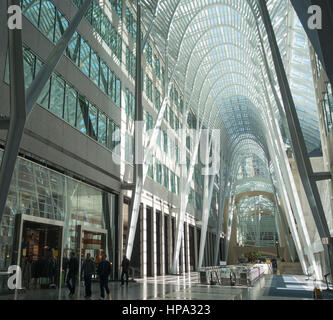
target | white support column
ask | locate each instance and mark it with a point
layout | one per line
(208, 193)
(187, 252)
(229, 226)
(170, 240)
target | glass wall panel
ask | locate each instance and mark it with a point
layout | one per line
(60, 27)
(73, 49)
(29, 67)
(47, 19)
(57, 95)
(70, 105)
(102, 129)
(94, 68)
(85, 57)
(31, 8)
(104, 77)
(82, 115)
(43, 98)
(93, 121)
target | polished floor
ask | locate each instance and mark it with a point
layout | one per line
(187, 287)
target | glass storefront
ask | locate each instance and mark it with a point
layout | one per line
(40, 192)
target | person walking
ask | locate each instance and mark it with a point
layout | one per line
(65, 262)
(104, 272)
(27, 271)
(125, 266)
(72, 273)
(51, 270)
(88, 269)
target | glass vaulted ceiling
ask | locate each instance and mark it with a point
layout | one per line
(216, 51)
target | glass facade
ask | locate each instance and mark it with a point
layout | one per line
(67, 103)
(40, 192)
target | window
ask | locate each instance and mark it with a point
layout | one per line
(94, 71)
(70, 105)
(117, 5)
(43, 98)
(85, 57)
(176, 98)
(129, 104)
(96, 17)
(163, 77)
(130, 63)
(158, 172)
(181, 105)
(30, 9)
(157, 66)
(166, 113)
(149, 88)
(173, 182)
(149, 121)
(151, 171)
(73, 48)
(60, 26)
(188, 143)
(172, 124)
(157, 100)
(177, 122)
(104, 77)
(29, 67)
(165, 142)
(177, 154)
(57, 95)
(82, 115)
(149, 54)
(130, 24)
(47, 19)
(93, 121)
(166, 177)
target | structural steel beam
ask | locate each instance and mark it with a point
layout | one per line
(299, 147)
(17, 112)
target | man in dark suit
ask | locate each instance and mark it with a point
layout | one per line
(125, 266)
(72, 273)
(104, 270)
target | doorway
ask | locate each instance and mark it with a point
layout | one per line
(40, 248)
(93, 241)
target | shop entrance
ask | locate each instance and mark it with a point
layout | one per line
(40, 252)
(92, 241)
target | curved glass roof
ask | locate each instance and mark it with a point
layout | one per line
(215, 55)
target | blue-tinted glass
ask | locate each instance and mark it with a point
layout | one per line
(70, 105)
(57, 95)
(60, 27)
(29, 66)
(47, 19)
(118, 93)
(82, 114)
(104, 77)
(73, 48)
(43, 98)
(30, 9)
(85, 57)
(94, 69)
(102, 129)
(93, 120)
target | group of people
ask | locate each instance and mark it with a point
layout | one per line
(88, 269)
(43, 267)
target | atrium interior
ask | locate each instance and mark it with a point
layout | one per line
(193, 137)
